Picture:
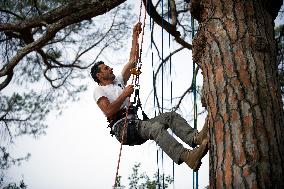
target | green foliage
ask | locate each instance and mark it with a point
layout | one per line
(7, 160)
(29, 8)
(118, 183)
(22, 185)
(139, 180)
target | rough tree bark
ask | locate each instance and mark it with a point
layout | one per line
(235, 48)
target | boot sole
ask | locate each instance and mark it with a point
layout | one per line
(197, 164)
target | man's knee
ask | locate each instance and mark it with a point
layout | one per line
(175, 114)
(169, 116)
(156, 129)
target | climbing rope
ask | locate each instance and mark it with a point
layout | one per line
(154, 99)
(120, 150)
(137, 70)
(135, 80)
(195, 174)
(163, 176)
(171, 90)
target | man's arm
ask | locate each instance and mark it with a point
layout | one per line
(110, 109)
(134, 53)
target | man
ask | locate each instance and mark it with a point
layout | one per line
(112, 97)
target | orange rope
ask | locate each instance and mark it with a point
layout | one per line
(136, 78)
(141, 46)
(122, 140)
(143, 31)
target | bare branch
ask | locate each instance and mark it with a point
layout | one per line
(78, 10)
(158, 70)
(183, 43)
(166, 59)
(173, 12)
(71, 13)
(36, 6)
(47, 57)
(190, 89)
(151, 10)
(12, 13)
(28, 48)
(153, 41)
(7, 80)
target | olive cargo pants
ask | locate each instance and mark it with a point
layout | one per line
(156, 129)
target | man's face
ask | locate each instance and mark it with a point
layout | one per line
(106, 73)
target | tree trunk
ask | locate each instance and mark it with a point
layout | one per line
(236, 50)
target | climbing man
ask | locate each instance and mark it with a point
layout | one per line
(112, 96)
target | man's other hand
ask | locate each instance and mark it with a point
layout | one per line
(128, 90)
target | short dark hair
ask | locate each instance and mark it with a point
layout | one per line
(95, 69)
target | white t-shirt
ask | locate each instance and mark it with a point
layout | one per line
(111, 91)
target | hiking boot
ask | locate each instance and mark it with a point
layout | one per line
(193, 157)
(202, 135)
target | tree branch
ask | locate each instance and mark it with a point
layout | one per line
(73, 12)
(12, 13)
(171, 29)
(158, 69)
(188, 90)
(84, 9)
(7, 80)
(151, 10)
(173, 12)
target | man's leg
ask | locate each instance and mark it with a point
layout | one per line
(178, 125)
(157, 131)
